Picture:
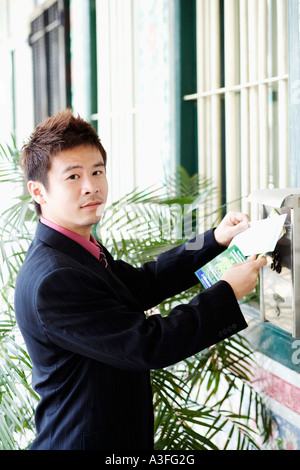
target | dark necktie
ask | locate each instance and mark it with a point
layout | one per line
(102, 257)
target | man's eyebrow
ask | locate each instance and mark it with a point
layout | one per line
(76, 167)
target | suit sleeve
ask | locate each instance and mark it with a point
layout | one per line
(172, 273)
(83, 315)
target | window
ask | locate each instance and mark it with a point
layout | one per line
(294, 90)
(136, 82)
(242, 96)
(49, 40)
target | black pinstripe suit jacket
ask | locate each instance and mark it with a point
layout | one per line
(91, 345)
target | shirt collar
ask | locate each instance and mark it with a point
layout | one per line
(90, 245)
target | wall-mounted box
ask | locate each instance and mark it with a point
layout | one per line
(280, 278)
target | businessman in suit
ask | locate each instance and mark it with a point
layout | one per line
(82, 313)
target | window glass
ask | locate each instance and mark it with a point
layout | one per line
(135, 62)
(242, 96)
(48, 39)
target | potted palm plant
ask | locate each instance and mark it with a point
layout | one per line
(204, 402)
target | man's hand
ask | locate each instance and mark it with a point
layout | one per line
(243, 277)
(232, 224)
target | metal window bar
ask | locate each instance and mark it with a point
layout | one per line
(244, 77)
(209, 109)
(230, 31)
(282, 93)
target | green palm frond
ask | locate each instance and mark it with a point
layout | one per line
(17, 398)
(231, 410)
(10, 169)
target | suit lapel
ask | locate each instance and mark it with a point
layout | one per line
(66, 245)
(69, 247)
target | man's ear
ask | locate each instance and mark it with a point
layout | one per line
(37, 191)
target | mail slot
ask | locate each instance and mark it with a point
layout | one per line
(280, 278)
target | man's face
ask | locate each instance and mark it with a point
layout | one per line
(77, 189)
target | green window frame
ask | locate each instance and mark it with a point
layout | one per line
(188, 83)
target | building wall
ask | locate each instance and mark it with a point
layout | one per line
(135, 105)
(16, 92)
(280, 386)
(277, 377)
(151, 154)
(16, 95)
(243, 79)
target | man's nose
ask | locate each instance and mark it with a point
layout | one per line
(89, 186)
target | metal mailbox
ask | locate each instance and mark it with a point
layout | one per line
(280, 278)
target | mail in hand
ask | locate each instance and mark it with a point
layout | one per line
(261, 237)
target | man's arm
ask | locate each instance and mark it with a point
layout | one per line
(84, 313)
(172, 272)
(81, 314)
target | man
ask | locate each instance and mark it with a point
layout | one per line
(83, 320)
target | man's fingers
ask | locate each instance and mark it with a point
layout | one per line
(239, 219)
(239, 227)
(259, 262)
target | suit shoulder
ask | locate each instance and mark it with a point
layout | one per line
(41, 259)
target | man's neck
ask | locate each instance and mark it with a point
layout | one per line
(85, 232)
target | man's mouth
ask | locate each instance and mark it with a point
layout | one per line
(97, 206)
(91, 205)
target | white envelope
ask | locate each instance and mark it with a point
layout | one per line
(261, 237)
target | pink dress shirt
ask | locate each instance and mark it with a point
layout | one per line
(91, 245)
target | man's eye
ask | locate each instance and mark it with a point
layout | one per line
(73, 177)
(98, 172)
